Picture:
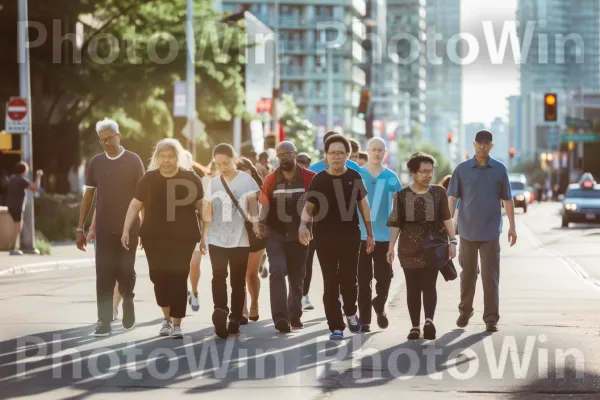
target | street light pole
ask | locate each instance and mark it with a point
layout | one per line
(191, 76)
(28, 233)
(276, 78)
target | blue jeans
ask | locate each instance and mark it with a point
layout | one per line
(286, 258)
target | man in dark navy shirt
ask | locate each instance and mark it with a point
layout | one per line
(113, 177)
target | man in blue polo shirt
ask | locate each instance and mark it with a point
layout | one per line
(381, 184)
(481, 184)
(317, 167)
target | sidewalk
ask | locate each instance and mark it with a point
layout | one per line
(63, 256)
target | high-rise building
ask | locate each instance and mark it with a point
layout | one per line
(471, 130)
(563, 56)
(408, 18)
(499, 130)
(444, 77)
(514, 124)
(304, 69)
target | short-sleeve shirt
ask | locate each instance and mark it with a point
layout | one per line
(227, 225)
(115, 180)
(15, 192)
(336, 203)
(381, 191)
(417, 215)
(480, 191)
(286, 200)
(170, 205)
(320, 166)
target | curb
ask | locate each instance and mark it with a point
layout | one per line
(59, 265)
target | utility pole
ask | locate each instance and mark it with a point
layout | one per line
(275, 99)
(28, 233)
(191, 76)
(329, 88)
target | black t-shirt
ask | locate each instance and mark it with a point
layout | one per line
(115, 180)
(169, 205)
(336, 203)
(15, 192)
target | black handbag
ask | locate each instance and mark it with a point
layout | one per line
(449, 271)
(435, 246)
(255, 242)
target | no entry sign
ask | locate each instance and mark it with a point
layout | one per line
(17, 116)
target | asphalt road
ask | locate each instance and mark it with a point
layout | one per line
(547, 344)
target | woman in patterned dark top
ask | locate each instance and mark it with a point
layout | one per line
(419, 210)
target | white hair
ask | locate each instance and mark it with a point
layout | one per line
(376, 140)
(184, 157)
(107, 124)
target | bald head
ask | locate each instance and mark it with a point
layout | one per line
(376, 141)
(285, 146)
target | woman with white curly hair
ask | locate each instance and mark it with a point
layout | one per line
(171, 195)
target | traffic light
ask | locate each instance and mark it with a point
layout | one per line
(449, 137)
(511, 152)
(363, 106)
(550, 107)
(467, 155)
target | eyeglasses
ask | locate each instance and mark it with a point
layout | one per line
(285, 155)
(426, 172)
(107, 139)
(337, 153)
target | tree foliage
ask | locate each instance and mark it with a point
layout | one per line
(297, 128)
(131, 53)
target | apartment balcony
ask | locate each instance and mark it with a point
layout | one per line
(358, 76)
(295, 72)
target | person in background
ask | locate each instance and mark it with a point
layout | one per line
(363, 158)
(227, 237)
(15, 199)
(263, 166)
(337, 233)
(317, 167)
(419, 210)
(482, 185)
(355, 146)
(445, 182)
(193, 299)
(171, 195)
(256, 258)
(303, 160)
(112, 176)
(381, 184)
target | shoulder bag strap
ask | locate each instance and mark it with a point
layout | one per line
(233, 199)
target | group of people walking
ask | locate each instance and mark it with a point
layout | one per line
(350, 216)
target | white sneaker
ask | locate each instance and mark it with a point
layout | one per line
(193, 301)
(353, 323)
(306, 303)
(166, 328)
(177, 333)
(341, 300)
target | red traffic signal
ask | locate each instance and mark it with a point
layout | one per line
(511, 152)
(449, 137)
(363, 106)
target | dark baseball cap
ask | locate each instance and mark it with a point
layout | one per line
(483, 136)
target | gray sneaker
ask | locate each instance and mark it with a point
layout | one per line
(463, 320)
(176, 332)
(166, 329)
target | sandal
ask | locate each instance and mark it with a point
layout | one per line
(255, 316)
(415, 333)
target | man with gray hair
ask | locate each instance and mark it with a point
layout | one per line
(113, 176)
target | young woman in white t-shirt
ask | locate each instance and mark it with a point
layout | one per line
(227, 239)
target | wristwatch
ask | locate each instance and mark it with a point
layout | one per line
(453, 241)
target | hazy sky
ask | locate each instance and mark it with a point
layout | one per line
(486, 86)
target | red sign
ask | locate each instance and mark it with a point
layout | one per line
(263, 106)
(17, 109)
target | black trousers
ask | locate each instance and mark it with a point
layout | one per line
(169, 264)
(113, 264)
(369, 266)
(237, 260)
(338, 256)
(421, 281)
(309, 268)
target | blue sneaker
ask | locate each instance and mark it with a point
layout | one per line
(353, 323)
(336, 335)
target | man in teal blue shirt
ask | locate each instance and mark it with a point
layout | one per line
(381, 184)
(317, 167)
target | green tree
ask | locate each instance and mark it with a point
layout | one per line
(405, 150)
(298, 129)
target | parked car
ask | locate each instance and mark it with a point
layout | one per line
(581, 203)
